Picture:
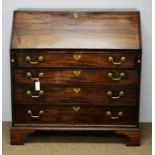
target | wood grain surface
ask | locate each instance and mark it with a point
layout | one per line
(68, 95)
(51, 59)
(67, 77)
(95, 30)
(66, 115)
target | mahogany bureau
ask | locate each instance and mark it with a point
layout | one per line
(75, 71)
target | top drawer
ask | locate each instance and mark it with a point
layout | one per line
(103, 60)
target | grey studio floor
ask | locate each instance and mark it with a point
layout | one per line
(75, 145)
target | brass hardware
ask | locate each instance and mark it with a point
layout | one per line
(28, 74)
(12, 60)
(76, 90)
(138, 61)
(111, 59)
(121, 93)
(76, 15)
(40, 93)
(122, 75)
(29, 112)
(76, 109)
(120, 114)
(77, 57)
(39, 59)
(40, 75)
(77, 73)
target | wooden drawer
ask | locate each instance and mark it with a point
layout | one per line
(47, 59)
(46, 114)
(81, 95)
(76, 77)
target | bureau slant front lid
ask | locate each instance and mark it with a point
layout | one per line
(75, 30)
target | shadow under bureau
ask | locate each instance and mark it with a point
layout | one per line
(75, 71)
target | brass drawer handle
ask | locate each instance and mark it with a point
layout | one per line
(76, 90)
(77, 57)
(39, 59)
(110, 75)
(29, 112)
(76, 109)
(121, 93)
(29, 75)
(111, 59)
(40, 93)
(76, 73)
(120, 114)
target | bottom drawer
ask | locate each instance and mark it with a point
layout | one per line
(89, 115)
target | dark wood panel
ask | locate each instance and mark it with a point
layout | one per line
(67, 115)
(85, 77)
(77, 95)
(96, 30)
(109, 60)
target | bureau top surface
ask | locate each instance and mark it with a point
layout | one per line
(76, 30)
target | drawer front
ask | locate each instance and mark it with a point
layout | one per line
(46, 114)
(81, 95)
(45, 59)
(76, 77)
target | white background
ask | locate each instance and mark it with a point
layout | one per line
(144, 6)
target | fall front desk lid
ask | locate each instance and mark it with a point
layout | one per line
(76, 30)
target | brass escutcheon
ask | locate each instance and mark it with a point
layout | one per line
(76, 109)
(76, 15)
(76, 57)
(76, 90)
(77, 73)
